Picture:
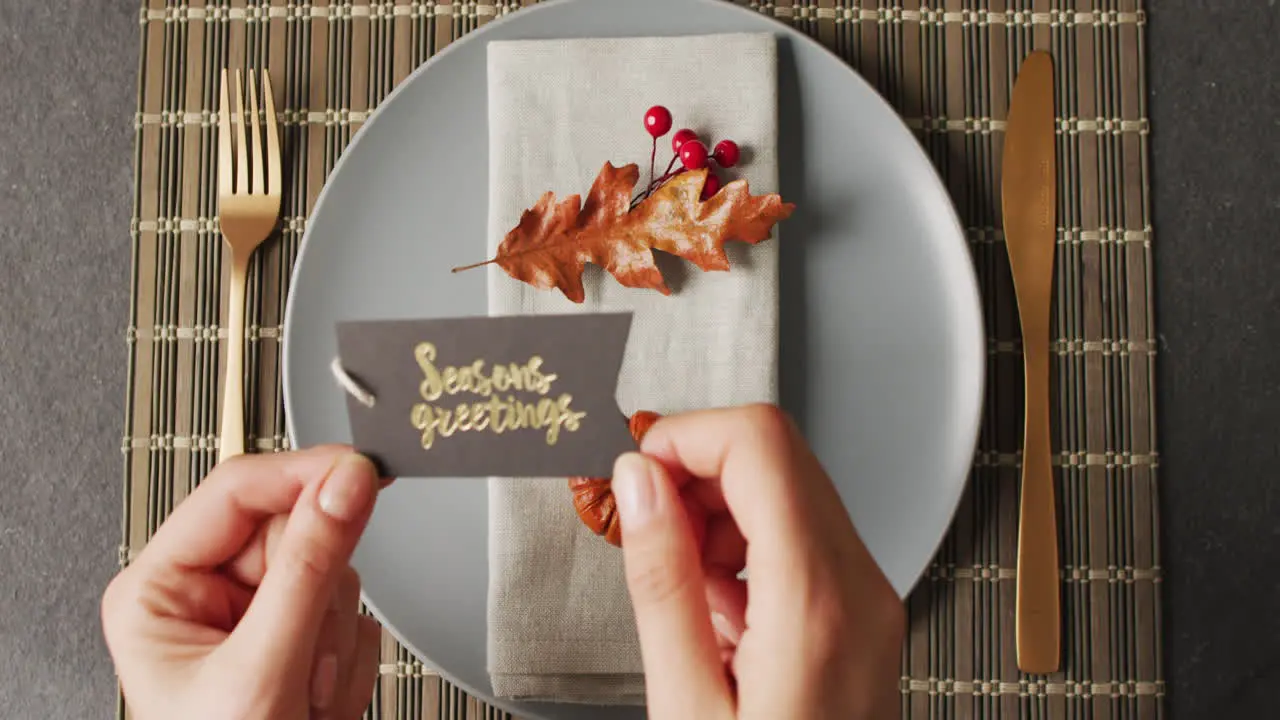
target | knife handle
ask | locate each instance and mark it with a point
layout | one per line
(1037, 616)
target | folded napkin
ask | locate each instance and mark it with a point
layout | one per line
(560, 621)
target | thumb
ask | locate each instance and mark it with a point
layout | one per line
(281, 626)
(664, 576)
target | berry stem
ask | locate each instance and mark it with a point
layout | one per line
(653, 187)
(473, 266)
(666, 175)
(658, 183)
(667, 172)
(653, 156)
(655, 183)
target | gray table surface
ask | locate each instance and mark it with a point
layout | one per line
(66, 154)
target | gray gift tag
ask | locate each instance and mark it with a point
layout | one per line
(527, 396)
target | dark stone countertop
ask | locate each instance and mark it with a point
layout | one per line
(67, 96)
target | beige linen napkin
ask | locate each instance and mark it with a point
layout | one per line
(560, 621)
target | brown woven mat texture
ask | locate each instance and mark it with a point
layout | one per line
(948, 67)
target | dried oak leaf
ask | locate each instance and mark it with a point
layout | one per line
(554, 241)
(593, 497)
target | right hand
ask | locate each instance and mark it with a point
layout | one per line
(816, 632)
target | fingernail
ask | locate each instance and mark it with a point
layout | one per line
(633, 488)
(324, 681)
(349, 489)
(725, 628)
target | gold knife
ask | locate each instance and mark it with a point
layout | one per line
(1029, 202)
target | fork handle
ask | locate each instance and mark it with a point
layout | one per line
(1037, 622)
(231, 435)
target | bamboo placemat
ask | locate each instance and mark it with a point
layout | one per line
(948, 67)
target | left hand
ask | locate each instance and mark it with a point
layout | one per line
(243, 604)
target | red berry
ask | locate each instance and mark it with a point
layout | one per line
(657, 121)
(727, 153)
(693, 155)
(711, 186)
(681, 137)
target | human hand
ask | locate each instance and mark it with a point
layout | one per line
(818, 634)
(243, 604)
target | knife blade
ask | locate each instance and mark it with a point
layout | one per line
(1029, 202)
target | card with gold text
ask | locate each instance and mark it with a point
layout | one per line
(520, 396)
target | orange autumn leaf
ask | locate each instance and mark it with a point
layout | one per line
(554, 241)
(593, 497)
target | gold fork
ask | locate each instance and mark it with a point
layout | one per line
(248, 209)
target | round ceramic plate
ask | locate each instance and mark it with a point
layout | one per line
(882, 344)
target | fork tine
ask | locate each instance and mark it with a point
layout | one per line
(258, 184)
(225, 184)
(273, 137)
(242, 151)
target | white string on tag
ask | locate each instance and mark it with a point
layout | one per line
(348, 383)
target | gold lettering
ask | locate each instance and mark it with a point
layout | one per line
(447, 423)
(515, 377)
(496, 414)
(451, 384)
(424, 419)
(538, 382)
(572, 420)
(517, 419)
(499, 422)
(479, 418)
(528, 415)
(465, 419)
(548, 418)
(432, 386)
(481, 384)
(501, 379)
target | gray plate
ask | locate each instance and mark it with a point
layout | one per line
(882, 351)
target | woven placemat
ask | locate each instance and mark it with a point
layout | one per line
(947, 66)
